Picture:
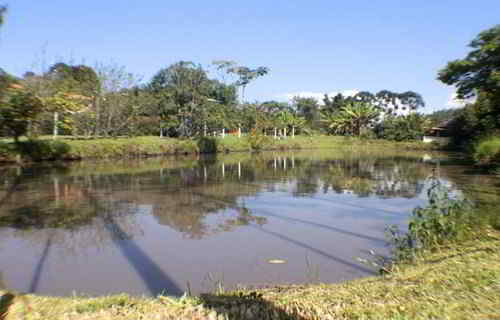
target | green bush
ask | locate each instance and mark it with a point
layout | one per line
(487, 152)
(402, 128)
(258, 141)
(37, 150)
(187, 147)
(444, 220)
(207, 144)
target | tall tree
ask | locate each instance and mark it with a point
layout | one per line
(479, 70)
(247, 75)
(477, 75)
(71, 89)
(307, 108)
(181, 88)
(18, 108)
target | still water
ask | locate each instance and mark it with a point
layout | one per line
(176, 224)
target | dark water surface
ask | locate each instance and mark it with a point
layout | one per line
(166, 224)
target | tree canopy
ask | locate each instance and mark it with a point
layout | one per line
(477, 75)
(479, 70)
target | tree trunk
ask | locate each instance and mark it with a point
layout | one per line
(97, 128)
(284, 132)
(56, 120)
(275, 133)
(243, 94)
(293, 131)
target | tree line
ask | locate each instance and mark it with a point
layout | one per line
(180, 100)
(185, 99)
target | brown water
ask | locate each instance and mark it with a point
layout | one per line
(166, 224)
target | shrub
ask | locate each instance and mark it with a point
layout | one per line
(445, 219)
(37, 150)
(207, 144)
(487, 152)
(402, 128)
(257, 141)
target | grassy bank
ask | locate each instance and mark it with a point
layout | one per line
(70, 149)
(454, 282)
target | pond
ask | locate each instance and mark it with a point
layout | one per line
(172, 225)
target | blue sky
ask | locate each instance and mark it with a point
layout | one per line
(310, 46)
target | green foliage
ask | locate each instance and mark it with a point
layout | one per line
(258, 141)
(307, 108)
(487, 152)
(402, 128)
(446, 219)
(387, 101)
(186, 100)
(187, 146)
(475, 122)
(18, 108)
(480, 69)
(246, 75)
(352, 119)
(477, 75)
(441, 116)
(207, 145)
(37, 150)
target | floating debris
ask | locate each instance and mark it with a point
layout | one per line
(276, 261)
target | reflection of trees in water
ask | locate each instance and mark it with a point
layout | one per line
(55, 209)
(194, 198)
(181, 198)
(387, 178)
(197, 198)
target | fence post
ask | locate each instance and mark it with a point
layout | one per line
(239, 132)
(223, 132)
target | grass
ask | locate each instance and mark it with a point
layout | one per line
(452, 282)
(70, 149)
(487, 152)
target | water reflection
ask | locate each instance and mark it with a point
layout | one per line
(133, 222)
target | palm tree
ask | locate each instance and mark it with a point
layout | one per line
(352, 118)
(284, 120)
(296, 122)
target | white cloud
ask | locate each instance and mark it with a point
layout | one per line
(316, 95)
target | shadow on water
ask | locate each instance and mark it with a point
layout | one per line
(322, 226)
(319, 225)
(39, 266)
(155, 279)
(246, 307)
(317, 251)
